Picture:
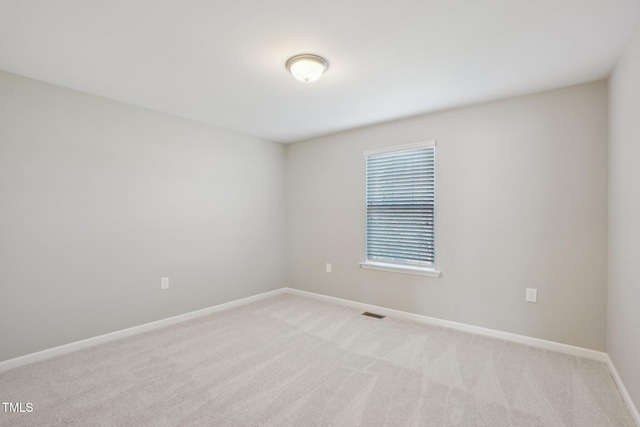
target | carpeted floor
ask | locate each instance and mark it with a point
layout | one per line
(292, 361)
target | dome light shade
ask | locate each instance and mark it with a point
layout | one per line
(307, 68)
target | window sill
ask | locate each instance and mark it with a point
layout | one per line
(397, 268)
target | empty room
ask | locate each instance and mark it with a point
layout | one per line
(346, 213)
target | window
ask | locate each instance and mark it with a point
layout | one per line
(400, 209)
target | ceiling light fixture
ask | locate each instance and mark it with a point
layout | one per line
(307, 68)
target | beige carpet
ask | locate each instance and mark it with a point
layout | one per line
(291, 361)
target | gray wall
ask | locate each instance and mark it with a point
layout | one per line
(99, 200)
(623, 326)
(521, 202)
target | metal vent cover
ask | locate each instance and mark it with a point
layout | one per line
(377, 316)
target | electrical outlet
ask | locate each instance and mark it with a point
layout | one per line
(532, 295)
(328, 268)
(164, 283)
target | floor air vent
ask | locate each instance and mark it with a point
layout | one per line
(377, 316)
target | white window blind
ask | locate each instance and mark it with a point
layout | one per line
(401, 204)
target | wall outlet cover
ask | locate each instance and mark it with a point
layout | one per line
(531, 295)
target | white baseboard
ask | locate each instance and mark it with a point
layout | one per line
(508, 336)
(112, 336)
(623, 391)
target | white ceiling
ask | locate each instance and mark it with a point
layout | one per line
(222, 61)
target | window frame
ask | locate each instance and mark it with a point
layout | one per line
(398, 267)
